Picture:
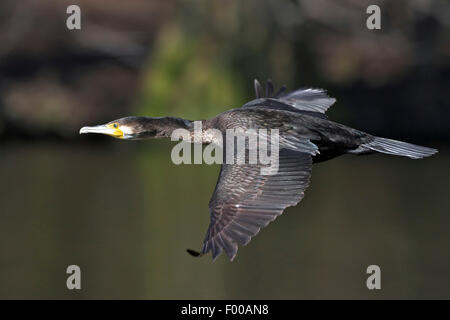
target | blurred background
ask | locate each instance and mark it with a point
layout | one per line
(125, 213)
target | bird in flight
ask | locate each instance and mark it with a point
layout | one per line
(244, 200)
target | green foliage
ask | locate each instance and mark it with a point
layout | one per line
(185, 77)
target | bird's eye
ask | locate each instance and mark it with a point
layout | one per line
(115, 125)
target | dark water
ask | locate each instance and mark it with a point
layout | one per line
(125, 214)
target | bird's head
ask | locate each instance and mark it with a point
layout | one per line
(134, 128)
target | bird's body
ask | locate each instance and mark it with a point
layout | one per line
(244, 200)
(331, 138)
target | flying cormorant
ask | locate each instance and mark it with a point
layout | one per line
(244, 200)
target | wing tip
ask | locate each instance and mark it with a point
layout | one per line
(269, 92)
(258, 89)
(197, 254)
(194, 253)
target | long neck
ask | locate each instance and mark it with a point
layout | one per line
(166, 125)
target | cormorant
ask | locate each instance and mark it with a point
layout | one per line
(244, 200)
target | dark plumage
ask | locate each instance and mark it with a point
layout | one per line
(244, 201)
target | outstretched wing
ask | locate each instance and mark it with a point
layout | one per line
(245, 201)
(301, 100)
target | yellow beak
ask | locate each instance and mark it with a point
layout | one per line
(104, 129)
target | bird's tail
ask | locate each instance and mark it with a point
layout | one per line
(398, 148)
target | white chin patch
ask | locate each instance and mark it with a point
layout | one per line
(127, 131)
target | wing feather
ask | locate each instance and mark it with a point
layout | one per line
(310, 100)
(244, 201)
